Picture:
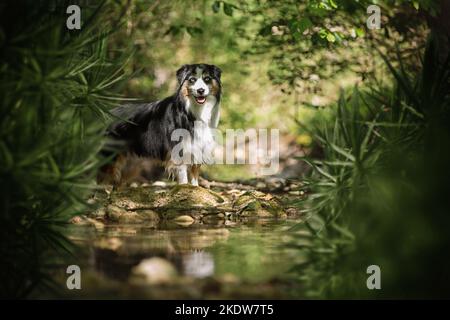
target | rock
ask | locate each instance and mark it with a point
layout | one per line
(275, 183)
(184, 205)
(211, 218)
(258, 204)
(76, 220)
(260, 185)
(117, 214)
(114, 213)
(184, 220)
(293, 211)
(184, 199)
(180, 200)
(97, 224)
(83, 220)
(153, 271)
(149, 215)
(196, 195)
(160, 184)
(219, 233)
(230, 223)
(108, 243)
(99, 213)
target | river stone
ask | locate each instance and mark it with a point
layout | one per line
(144, 203)
(153, 271)
(184, 220)
(108, 243)
(258, 204)
(121, 215)
(86, 220)
(184, 204)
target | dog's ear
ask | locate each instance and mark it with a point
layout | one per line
(217, 72)
(181, 73)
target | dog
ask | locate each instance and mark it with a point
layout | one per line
(153, 130)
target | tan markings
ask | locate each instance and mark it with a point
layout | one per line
(215, 87)
(130, 168)
(184, 89)
(112, 173)
(194, 171)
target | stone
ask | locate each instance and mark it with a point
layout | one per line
(134, 185)
(260, 185)
(108, 243)
(160, 184)
(184, 220)
(118, 214)
(154, 271)
(76, 220)
(258, 204)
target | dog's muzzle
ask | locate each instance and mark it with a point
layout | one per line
(200, 99)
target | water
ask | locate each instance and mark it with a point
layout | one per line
(244, 260)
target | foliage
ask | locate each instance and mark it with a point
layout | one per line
(323, 39)
(378, 194)
(57, 84)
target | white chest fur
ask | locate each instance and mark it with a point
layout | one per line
(208, 112)
(207, 118)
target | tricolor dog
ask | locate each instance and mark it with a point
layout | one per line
(148, 130)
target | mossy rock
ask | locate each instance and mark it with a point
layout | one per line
(128, 205)
(258, 204)
(117, 214)
(136, 198)
(188, 199)
(137, 205)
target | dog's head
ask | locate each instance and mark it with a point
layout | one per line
(199, 81)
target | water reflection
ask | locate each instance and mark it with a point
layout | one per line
(247, 253)
(198, 264)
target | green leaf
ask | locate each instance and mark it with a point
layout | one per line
(341, 151)
(333, 4)
(265, 31)
(331, 37)
(228, 9)
(360, 32)
(216, 6)
(304, 24)
(194, 31)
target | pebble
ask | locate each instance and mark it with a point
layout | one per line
(154, 271)
(161, 184)
(260, 185)
(184, 218)
(134, 185)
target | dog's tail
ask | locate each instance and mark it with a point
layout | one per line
(111, 173)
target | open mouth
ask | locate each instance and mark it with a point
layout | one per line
(200, 100)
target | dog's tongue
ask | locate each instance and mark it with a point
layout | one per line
(200, 100)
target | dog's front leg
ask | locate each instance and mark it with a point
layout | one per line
(194, 172)
(182, 175)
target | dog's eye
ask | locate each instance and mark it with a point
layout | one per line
(192, 80)
(207, 79)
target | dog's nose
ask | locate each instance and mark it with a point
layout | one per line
(201, 91)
